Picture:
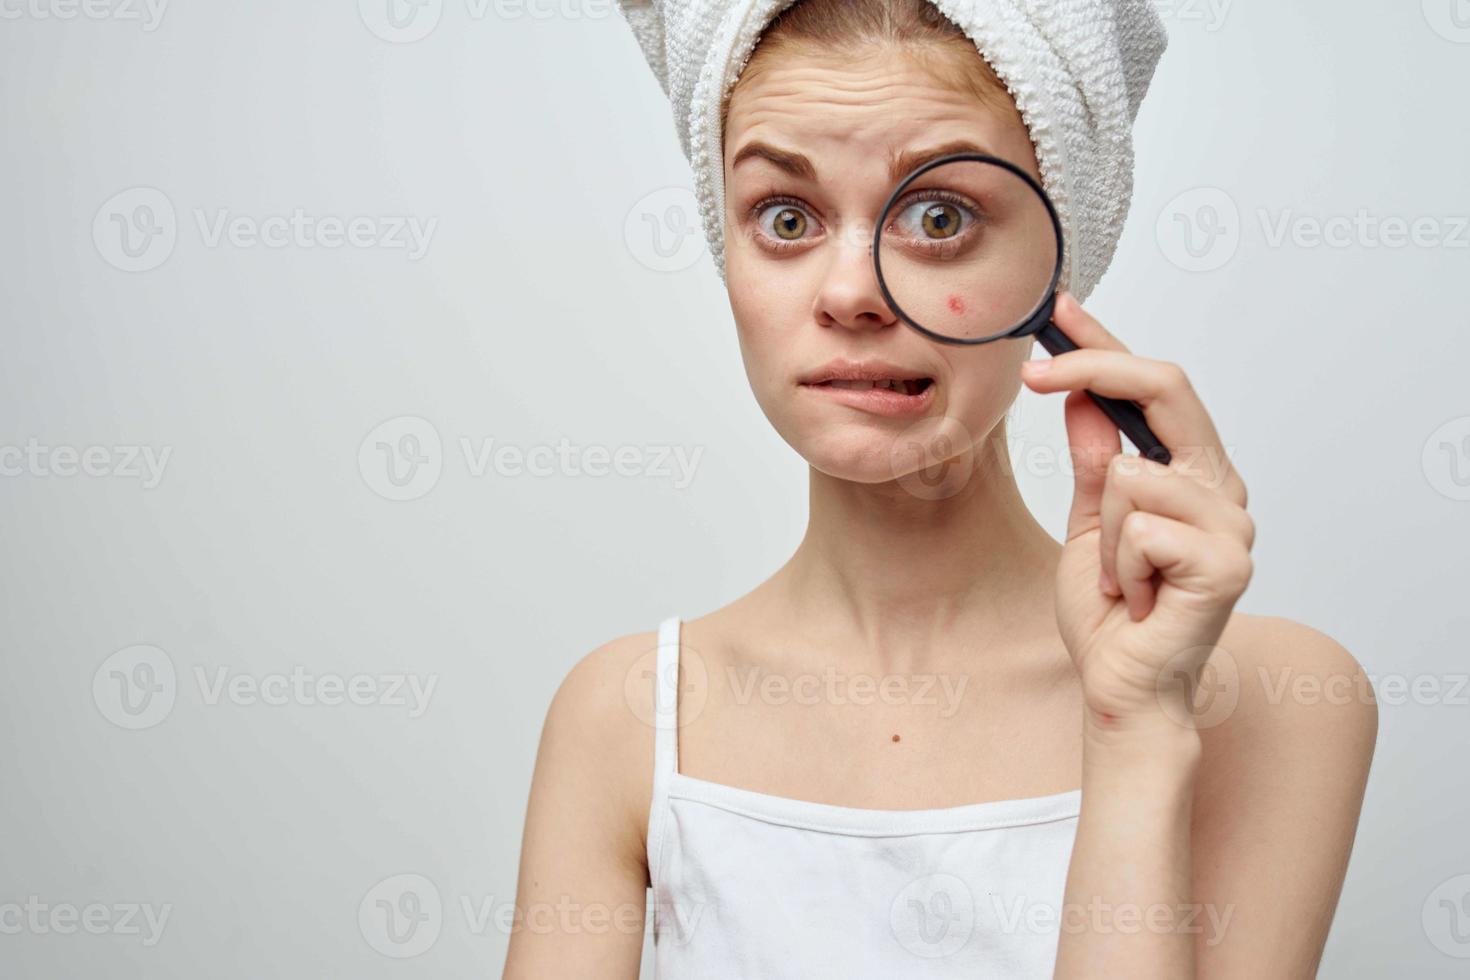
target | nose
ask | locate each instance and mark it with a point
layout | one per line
(849, 296)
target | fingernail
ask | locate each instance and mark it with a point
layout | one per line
(1105, 582)
(1036, 367)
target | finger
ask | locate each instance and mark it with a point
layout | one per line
(1084, 328)
(1092, 442)
(1169, 402)
(1211, 566)
(1135, 483)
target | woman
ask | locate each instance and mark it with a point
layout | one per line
(937, 743)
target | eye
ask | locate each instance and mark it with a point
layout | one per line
(936, 220)
(784, 223)
(940, 220)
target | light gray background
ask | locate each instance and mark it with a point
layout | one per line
(543, 310)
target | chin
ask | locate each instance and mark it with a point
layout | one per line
(878, 450)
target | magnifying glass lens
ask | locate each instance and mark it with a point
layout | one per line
(968, 250)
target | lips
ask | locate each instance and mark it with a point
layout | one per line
(872, 386)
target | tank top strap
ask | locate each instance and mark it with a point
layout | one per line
(665, 737)
(666, 695)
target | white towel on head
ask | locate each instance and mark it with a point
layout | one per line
(1077, 69)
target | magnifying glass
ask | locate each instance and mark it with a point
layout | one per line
(969, 251)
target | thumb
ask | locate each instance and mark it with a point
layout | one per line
(1094, 441)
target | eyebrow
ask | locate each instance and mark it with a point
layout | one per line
(788, 160)
(900, 165)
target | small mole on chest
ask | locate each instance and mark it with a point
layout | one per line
(895, 738)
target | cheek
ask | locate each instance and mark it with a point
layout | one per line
(984, 381)
(770, 314)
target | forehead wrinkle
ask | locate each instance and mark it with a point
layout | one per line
(802, 90)
(796, 107)
(874, 136)
(851, 116)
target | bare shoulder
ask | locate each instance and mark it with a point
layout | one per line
(1287, 723)
(598, 735)
(1283, 688)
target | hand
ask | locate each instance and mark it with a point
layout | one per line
(1156, 556)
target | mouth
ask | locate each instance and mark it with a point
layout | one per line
(904, 386)
(880, 389)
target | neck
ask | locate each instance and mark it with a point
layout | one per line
(899, 572)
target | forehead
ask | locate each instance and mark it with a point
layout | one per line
(851, 108)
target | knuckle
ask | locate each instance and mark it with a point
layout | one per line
(1173, 377)
(1235, 573)
(1247, 529)
(1135, 524)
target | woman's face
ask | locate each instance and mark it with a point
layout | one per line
(810, 140)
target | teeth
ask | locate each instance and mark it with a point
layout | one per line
(888, 384)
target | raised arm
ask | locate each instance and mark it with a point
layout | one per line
(1206, 847)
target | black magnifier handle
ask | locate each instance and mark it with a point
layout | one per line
(1126, 415)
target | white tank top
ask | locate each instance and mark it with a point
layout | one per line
(748, 886)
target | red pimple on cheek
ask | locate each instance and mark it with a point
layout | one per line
(956, 305)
